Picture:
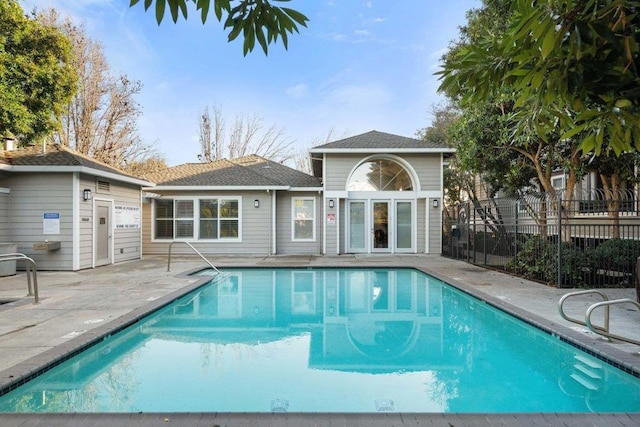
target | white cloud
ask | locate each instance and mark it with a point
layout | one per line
(298, 91)
(376, 20)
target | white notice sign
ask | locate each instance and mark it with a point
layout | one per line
(127, 216)
(51, 223)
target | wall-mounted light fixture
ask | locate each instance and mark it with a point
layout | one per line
(256, 203)
(435, 203)
(331, 203)
(86, 194)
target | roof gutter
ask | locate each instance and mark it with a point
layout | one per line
(377, 150)
(214, 188)
(79, 169)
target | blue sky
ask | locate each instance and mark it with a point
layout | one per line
(358, 66)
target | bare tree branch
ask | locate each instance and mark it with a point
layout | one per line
(246, 136)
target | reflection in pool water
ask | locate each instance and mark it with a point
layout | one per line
(329, 340)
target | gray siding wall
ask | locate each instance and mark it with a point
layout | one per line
(255, 227)
(284, 242)
(32, 195)
(435, 229)
(127, 243)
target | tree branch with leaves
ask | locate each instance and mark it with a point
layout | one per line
(255, 20)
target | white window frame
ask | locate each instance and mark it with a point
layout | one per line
(196, 219)
(293, 219)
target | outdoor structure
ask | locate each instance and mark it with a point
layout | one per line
(68, 211)
(381, 193)
(249, 205)
(370, 193)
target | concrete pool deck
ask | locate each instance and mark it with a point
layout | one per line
(78, 307)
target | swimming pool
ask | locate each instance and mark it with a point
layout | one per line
(329, 340)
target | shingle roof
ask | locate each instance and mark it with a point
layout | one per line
(381, 141)
(55, 155)
(245, 171)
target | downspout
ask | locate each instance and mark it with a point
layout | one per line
(338, 226)
(324, 205)
(274, 233)
(75, 209)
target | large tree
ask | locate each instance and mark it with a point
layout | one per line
(37, 79)
(573, 65)
(255, 19)
(101, 118)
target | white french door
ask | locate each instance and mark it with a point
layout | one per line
(381, 226)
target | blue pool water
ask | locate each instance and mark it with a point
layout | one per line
(329, 340)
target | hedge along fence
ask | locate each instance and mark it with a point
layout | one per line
(589, 241)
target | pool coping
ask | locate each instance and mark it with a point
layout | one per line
(22, 372)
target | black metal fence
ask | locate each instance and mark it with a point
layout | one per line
(591, 241)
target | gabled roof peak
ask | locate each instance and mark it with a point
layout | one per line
(375, 141)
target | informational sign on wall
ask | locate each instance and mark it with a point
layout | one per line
(127, 217)
(51, 223)
(331, 219)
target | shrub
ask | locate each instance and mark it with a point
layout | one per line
(617, 255)
(538, 260)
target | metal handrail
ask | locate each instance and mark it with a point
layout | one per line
(606, 305)
(31, 268)
(604, 328)
(195, 250)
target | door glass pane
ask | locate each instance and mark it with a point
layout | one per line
(380, 224)
(403, 218)
(356, 225)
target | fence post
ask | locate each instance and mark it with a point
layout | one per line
(472, 237)
(559, 265)
(638, 279)
(515, 243)
(484, 235)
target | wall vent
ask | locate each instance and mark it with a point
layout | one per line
(103, 186)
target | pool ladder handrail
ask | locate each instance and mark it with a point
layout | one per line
(195, 250)
(32, 288)
(606, 303)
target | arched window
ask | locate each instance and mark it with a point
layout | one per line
(380, 175)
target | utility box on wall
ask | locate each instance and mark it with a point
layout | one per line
(7, 268)
(46, 246)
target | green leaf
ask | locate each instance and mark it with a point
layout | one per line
(160, 4)
(574, 131)
(262, 40)
(173, 8)
(235, 32)
(623, 103)
(183, 8)
(548, 44)
(296, 16)
(588, 144)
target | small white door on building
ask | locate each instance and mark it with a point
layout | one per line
(103, 233)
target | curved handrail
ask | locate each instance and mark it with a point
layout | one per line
(195, 250)
(604, 328)
(31, 268)
(606, 305)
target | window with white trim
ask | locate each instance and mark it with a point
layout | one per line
(303, 217)
(197, 219)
